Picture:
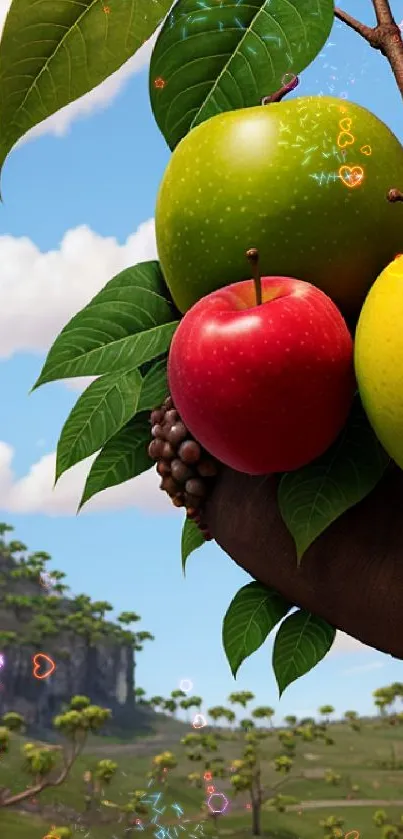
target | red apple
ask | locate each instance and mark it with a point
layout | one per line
(264, 388)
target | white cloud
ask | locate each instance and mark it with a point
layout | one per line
(98, 98)
(35, 491)
(364, 668)
(345, 644)
(40, 292)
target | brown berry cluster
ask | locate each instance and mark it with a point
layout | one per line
(187, 471)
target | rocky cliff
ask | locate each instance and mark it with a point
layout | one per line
(102, 669)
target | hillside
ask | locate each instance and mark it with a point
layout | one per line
(361, 762)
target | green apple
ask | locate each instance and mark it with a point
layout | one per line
(379, 358)
(304, 181)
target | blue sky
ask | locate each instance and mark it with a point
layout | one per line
(94, 188)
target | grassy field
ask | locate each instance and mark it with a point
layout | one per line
(353, 756)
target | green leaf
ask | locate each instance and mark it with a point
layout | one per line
(311, 498)
(123, 457)
(192, 538)
(301, 642)
(100, 412)
(129, 322)
(155, 386)
(51, 53)
(212, 57)
(251, 615)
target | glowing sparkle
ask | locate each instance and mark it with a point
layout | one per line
(2, 660)
(351, 176)
(185, 685)
(216, 808)
(199, 721)
(288, 78)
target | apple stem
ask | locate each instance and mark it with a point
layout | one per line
(253, 257)
(394, 195)
(279, 94)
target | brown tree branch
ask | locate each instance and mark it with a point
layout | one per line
(383, 12)
(385, 36)
(362, 29)
(39, 787)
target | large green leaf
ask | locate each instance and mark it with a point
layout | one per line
(252, 614)
(311, 498)
(129, 322)
(155, 386)
(192, 538)
(54, 51)
(215, 56)
(100, 412)
(301, 642)
(123, 457)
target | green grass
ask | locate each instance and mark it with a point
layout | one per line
(352, 756)
(274, 825)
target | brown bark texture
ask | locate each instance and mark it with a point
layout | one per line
(351, 576)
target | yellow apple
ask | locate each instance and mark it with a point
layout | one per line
(379, 358)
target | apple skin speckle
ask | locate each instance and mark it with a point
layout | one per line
(252, 187)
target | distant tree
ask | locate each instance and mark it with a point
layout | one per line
(326, 711)
(161, 764)
(353, 720)
(13, 722)
(131, 811)
(229, 715)
(17, 547)
(281, 802)
(379, 818)
(126, 618)
(170, 706)
(247, 775)
(139, 692)
(5, 528)
(202, 747)
(157, 701)
(381, 703)
(190, 702)
(332, 777)
(291, 720)
(389, 830)
(332, 827)
(195, 779)
(105, 770)
(7, 639)
(78, 703)
(246, 724)
(21, 604)
(218, 712)
(100, 607)
(41, 762)
(241, 697)
(264, 712)
(384, 698)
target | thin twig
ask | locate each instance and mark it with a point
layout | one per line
(394, 195)
(362, 29)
